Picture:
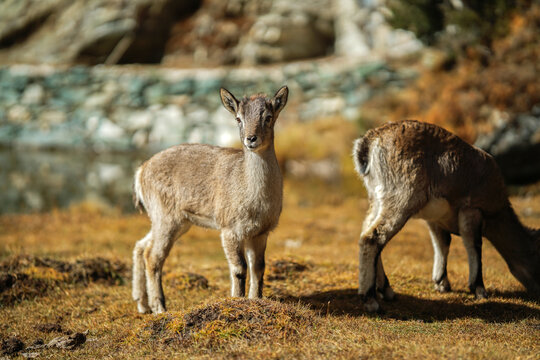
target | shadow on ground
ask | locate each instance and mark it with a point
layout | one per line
(407, 307)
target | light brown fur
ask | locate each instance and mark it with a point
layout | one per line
(236, 191)
(415, 169)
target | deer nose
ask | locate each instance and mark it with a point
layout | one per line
(252, 138)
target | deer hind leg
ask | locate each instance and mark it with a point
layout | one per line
(233, 246)
(155, 254)
(384, 290)
(255, 248)
(470, 228)
(440, 239)
(387, 223)
(139, 277)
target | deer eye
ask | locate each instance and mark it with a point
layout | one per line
(268, 119)
(238, 120)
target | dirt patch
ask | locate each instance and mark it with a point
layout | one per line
(24, 277)
(254, 321)
(187, 281)
(283, 268)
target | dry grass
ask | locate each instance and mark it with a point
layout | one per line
(311, 308)
(67, 272)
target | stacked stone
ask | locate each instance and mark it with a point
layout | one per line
(133, 108)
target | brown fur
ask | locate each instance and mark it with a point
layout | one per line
(415, 169)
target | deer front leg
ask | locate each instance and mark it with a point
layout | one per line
(440, 239)
(255, 248)
(373, 239)
(384, 290)
(470, 228)
(139, 277)
(234, 252)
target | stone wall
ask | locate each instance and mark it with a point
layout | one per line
(141, 108)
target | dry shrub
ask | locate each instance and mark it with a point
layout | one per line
(211, 325)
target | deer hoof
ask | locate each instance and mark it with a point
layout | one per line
(143, 308)
(371, 305)
(480, 293)
(386, 294)
(443, 286)
(389, 294)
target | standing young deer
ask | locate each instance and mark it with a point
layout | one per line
(237, 191)
(415, 169)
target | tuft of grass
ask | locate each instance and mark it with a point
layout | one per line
(252, 321)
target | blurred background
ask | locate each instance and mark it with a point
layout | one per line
(91, 88)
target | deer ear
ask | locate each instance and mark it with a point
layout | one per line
(280, 99)
(229, 101)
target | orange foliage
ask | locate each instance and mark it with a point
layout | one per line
(464, 98)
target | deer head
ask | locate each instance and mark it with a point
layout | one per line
(255, 116)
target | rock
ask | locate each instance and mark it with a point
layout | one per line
(226, 128)
(60, 31)
(33, 95)
(140, 138)
(68, 342)
(19, 114)
(52, 117)
(30, 355)
(515, 146)
(34, 200)
(138, 120)
(109, 173)
(362, 31)
(290, 31)
(108, 131)
(169, 126)
(155, 94)
(350, 40)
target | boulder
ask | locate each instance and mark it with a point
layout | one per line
(88, 31)
(515, 144)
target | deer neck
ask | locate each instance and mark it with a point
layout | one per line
(505, 230)
(518, 245)
(262, 174)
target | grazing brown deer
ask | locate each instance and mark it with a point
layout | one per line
(414, 169)
(236, 191)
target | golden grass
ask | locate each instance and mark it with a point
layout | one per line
(311, 310)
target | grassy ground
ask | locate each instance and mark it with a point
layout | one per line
(310, 309)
